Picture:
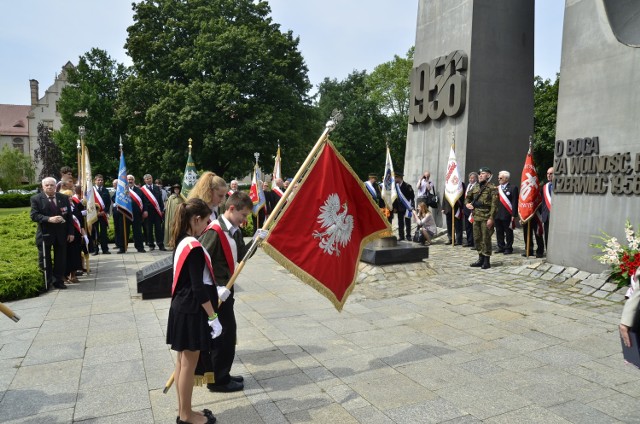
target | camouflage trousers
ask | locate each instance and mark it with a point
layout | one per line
(482, 237)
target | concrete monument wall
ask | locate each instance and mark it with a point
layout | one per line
(597, 161)
(475, 79)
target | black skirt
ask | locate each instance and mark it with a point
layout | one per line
(188, 331)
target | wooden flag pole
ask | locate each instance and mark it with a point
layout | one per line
(336, 117)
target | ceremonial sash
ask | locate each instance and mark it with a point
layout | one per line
(469, 187)
(75, 199)
(149, 195)
(371, 189)
(471, 218)
(505, 201)
(405, 202)
(277, 191)
(76, 224)
(136, 199)
(547, 191)
(458, 213)
(100, 203)
(185, 247)
(226, 247)
(229, 193)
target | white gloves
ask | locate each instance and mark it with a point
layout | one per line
(223, 293)
(84, 212)
(86, 239)
(216, 328)
(260, 234)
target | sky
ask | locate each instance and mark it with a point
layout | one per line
(37, 37)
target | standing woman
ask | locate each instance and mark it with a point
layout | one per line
(170, 208)
(212, 189)
(74, 248)
(192, 321)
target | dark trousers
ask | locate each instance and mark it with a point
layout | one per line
(504, 235)
(54, 267)
(101, 237)
(117, 229)
(223, 347)
(457, 227)
(404, 223)
(154, 228)
(468, 227)
(532, 235)
(258, 221)
(138, 240)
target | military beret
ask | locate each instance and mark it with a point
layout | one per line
(398, 173)
(485, 169)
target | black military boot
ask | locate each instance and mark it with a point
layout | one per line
(487, 262)
(479, 262)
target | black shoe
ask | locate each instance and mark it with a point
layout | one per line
(539, 255)
(162, 248)
(525, 255)
(400, 239)
(211, 419)
(237, 378)
(107, 252)
(60, 286)
(499, 251)
(231, 386)
(120, 251)
(487, 262)
(152, 248)
(142, 251)
(472, 246)
(508, 252)
(96, 253)
(479, 262)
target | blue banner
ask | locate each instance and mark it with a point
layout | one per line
(123, 199)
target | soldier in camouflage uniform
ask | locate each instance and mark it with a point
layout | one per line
(482, 200)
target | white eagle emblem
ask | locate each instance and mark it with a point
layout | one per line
(336, 226)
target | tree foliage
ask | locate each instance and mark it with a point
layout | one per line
(15, 168)
(90, 99)
(219, 72)
(545, 111)
(389, 85)
(47, 153)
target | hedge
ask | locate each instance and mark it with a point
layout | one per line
(15, 200)
(20, 276)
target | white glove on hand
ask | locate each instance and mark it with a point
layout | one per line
(260, 234)
(216, 328)
(223, 293)
(84, 212)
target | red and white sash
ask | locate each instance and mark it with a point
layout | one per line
(507, 205)
(137, 200)
(77, 225)
(277, 191)
(185, 247)
(229, 193)
(100, 205)
(149, 195)
(547, 191)
(76, 199)
(224, 241)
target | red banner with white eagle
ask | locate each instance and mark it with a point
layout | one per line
(529, 199)
(320, 235)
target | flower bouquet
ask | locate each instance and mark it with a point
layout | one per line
(623, 260)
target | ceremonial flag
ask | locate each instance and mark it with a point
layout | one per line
(92, 213)
(389, 193)
(123, 199)
(529, 199)
(452, 182)
(276, 174)
(256, 192)
(190, 175)
(320, 235)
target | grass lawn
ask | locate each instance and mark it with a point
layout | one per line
(10, 211)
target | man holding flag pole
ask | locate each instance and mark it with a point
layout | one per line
(123, 202)
(529, 199)
(453, 189)
(389, 193)
(256, 192)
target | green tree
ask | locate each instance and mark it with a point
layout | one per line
(90, 99)
(545, 110)
(362, 134)
(219, 72)
(15, 168)
(48, 154)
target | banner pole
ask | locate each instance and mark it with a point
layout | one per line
(336, 117)
(528, 237)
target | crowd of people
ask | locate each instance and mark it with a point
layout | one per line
(483, 209)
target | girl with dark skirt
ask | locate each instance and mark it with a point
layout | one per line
(193, 322)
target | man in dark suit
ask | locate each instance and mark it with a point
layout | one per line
(402, 204)
(139, 212)
(468, 225)
(373, 188)
(507, 211)
(155, 213)
(103, 206)
(52, 212)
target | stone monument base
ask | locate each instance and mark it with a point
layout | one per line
(388, 250)
(155, 280)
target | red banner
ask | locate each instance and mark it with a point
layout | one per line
(529, 199)
(320, 234)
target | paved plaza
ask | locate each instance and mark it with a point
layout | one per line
(437, 342)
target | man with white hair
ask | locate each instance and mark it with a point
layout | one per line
(506, 214)
(52, 212)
